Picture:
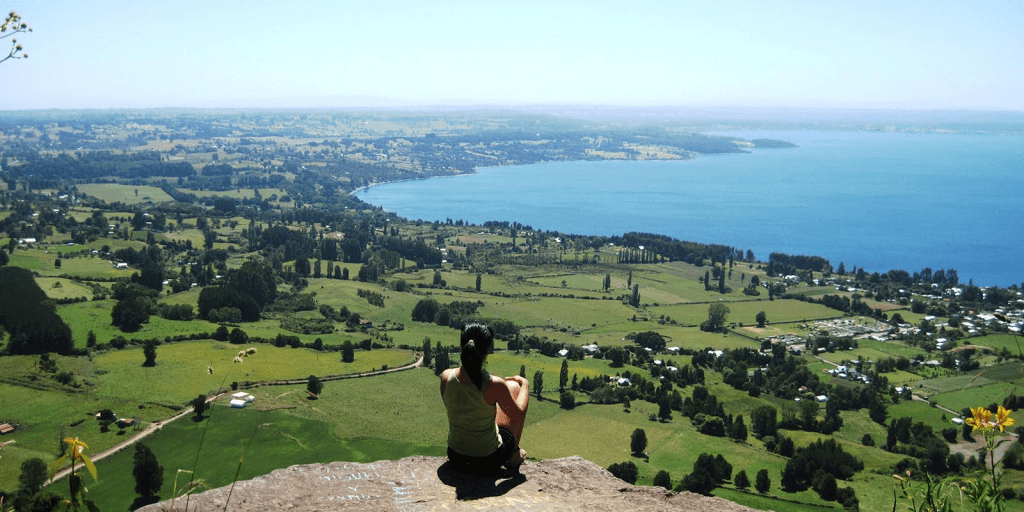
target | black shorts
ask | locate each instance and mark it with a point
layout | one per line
(489, 463)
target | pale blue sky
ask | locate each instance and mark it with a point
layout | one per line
(228, 53)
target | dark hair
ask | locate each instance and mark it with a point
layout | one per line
(476, 342)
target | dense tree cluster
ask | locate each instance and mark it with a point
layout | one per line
(29, 317)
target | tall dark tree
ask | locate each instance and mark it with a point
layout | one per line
(148, 473)
(563, 375)
(427, 352)
(761, 318)
(199, 405)
(348, 352)
(302, 267)
(150, 352)
(638, 441)
(741, 480)
(665, 408)
(538, 383)
(761, 482)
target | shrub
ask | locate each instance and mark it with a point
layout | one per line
(626, 471)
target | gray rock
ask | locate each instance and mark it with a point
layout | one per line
(428, 484)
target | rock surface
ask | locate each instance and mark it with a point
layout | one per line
(428, 483)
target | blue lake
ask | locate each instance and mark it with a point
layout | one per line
(876, 200)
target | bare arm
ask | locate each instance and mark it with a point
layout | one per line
(498, 391)
(444, 381)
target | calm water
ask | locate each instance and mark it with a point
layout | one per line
(875, 200)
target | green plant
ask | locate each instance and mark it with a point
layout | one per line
(984, 494)
(76, 486)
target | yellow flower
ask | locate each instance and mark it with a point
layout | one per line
(77, 447)
(981, 419)
(1003, 418)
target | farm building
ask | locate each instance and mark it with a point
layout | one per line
(6, 428)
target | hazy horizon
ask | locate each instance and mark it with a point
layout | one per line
(403, 54)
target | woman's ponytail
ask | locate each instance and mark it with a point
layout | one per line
(473, 364)
(476, 342)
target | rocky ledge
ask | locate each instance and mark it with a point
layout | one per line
(428, 483)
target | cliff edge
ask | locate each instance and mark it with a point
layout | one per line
(428, 483)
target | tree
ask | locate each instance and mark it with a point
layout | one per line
(427, 354)
(825, 485)
(563, 375)
(538, 383)
(567, 400)
(238, 336)
(638, 441)
(763, 421)
(425, 310)
(665, 408)
(761, 318)
(150, 352)
(33, 476)
(13, 25)
(478, 282)
(348, 352)
(626, 471)
(761, 482)
(302, 267)
(4, 258)
(699, 481)
(199, 405)
(148, 473)
(314, 386)
(738, 430)
(130, 313)
(607, 281)
(717, 314)
(741, 480)
(663, 479)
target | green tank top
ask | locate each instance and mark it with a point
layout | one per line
(472, 429)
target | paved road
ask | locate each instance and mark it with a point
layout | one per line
(153, 427)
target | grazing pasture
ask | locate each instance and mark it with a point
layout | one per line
(127, 194)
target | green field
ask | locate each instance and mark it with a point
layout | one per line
(127, 194)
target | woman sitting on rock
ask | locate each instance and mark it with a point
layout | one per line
(485, 413)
